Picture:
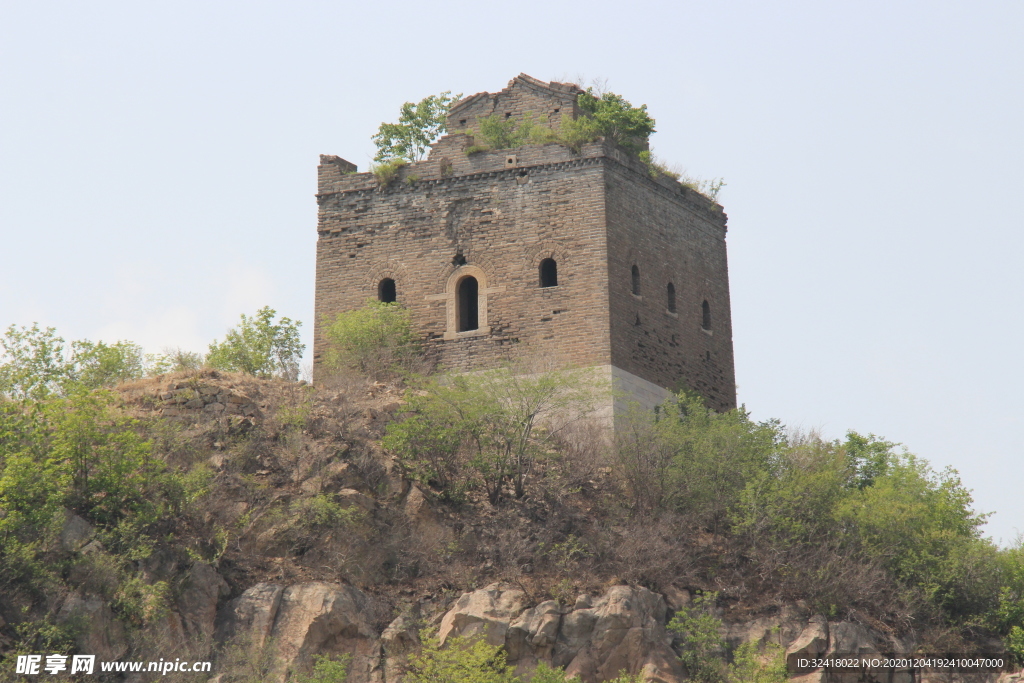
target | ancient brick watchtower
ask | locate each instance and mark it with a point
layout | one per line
(580, 257)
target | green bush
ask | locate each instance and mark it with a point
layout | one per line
(462, 660)
(34, 364)
(428, 442)
(176, 360)
(140, 602)
(753, 663)
(487, 424)
(793, 496)
(377, 340)
(96, 364)
(386, 171)
(259, 346)
(550, 674)
(326, 669)
(499, 132)
(690, 459)
(703, 650)
(574, 133)
(1007, 618)
(321, 513)
(921, 525)
(80, 454)
(616, 119)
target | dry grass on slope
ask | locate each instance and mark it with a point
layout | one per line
(300, 489)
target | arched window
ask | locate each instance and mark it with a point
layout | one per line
(636, 281)
(386, 291)
(670, 295)
(548, 273)
(705, 315)
(467, 304)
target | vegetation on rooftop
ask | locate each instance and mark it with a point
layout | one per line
(387, 171)
(605, 115)
(419, 124)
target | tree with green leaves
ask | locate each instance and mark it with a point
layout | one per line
(616, 118)
(326, 669)
(36, 363)
(496, 423)
(260, 346)
(418, 125)
(97, 364)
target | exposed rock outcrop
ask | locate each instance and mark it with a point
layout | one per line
(622, 630)
(302, 620)
(100, 632)
(197, 605)
(596, 638)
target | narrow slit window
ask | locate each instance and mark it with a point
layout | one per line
(386, 291)
(468, 313)
(705, 315)
(636, 280)
(548, 273)
(670, 297)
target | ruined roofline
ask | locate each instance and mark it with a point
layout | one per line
(552, 88)
(525, 79)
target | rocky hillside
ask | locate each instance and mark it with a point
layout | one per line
(300, 535)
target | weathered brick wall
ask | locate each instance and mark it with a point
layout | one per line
(673, 235)
(496, 215)
(525, 96)
(502, 218)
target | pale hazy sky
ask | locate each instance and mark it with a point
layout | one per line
(158, 166)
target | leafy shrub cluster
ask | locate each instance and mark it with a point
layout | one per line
(387, 171)
(704, 650)
(36, 363)
(862, 499)
(616, 119)
(608, 116)
(488, 428)
(260, 346)
(82, 456)
(376, 340)
(473, 660)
